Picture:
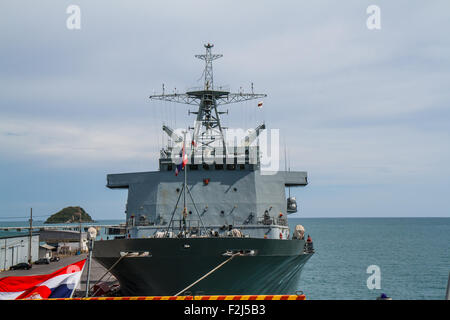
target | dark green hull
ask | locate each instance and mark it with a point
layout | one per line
(173, 264)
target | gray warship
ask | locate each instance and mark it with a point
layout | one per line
(211, 220)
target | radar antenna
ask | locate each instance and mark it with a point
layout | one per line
(208, 57)
(207, 127)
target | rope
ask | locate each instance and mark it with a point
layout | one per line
(108, 271)
(206, 275)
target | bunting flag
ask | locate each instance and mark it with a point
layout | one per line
(183, 163)
(59, 284)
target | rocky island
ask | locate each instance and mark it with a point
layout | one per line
(70, 215)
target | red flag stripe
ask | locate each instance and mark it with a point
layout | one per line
(22, 283)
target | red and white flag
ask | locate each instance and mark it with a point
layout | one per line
(260, 104)
(184, 160)
(59, 284)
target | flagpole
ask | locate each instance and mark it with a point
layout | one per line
(79, 280)
(185, 184)
(90, 248)
(30, 242)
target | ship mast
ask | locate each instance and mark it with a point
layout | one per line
(184, 214)
(207, 129)
(208, 57)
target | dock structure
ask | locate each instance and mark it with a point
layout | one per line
(64, 232)
(201, 298)
(18, 248)
(62, 227)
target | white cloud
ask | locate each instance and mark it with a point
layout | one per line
(72, 144)
(375, 155)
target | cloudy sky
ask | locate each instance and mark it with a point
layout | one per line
(365, 112)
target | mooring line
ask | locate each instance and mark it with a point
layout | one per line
(210, 272)
(108, 271)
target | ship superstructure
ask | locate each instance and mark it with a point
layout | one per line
(221, 202)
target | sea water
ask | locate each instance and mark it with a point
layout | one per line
(412, 256)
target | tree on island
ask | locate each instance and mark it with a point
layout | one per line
(70, 215)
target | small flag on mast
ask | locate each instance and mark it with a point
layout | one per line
(183, 163)
(260, 104)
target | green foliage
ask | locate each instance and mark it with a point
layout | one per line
(70, 215)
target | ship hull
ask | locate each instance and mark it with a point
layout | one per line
(173, 264)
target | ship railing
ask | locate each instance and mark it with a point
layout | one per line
(216, 87)
(193, 226)
(280, 221)
(265, 221)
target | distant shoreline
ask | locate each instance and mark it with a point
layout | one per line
(73, 222)
(41, 223)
